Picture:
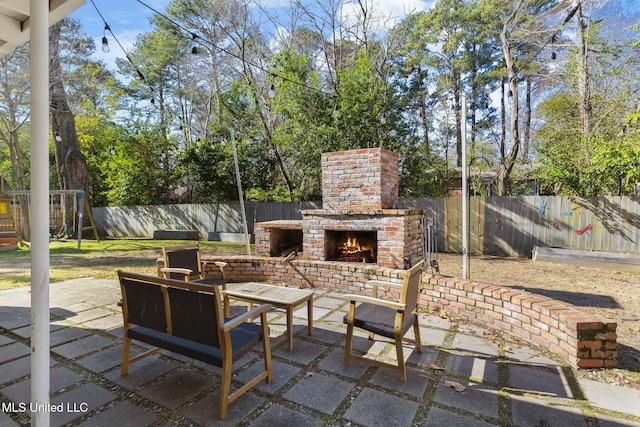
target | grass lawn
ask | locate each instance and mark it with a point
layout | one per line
(98, 259)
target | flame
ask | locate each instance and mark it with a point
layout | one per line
(352, 246)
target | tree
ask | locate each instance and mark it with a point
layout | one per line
(594, 152)
(71, 162)
(14, 116)
(522, 24)
(96, 97)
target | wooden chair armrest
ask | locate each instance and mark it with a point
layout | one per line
(220, 264)
(376, 283)
(377, 301)
(246, 316)
(185, 271)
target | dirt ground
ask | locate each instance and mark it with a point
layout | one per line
(608, 294)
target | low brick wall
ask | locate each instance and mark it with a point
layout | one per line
(578, 336)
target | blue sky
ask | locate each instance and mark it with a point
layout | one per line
(128, 18)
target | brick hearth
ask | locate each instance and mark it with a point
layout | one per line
(359, 194)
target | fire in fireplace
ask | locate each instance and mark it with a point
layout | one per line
(351, 246)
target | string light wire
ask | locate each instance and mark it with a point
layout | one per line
(230, 53)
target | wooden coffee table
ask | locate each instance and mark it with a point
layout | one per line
(278, 296)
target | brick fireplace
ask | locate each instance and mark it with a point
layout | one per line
(359, 220)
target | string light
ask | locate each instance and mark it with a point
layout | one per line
(194, 49)
(105, 41)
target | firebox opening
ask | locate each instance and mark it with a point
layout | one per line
(351, 246)
(285, 241)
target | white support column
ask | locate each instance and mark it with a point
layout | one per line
(465, 190)
(39, 58)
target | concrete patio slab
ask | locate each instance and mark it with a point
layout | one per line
(311, 384)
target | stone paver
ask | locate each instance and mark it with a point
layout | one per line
(67, 334)
(176, 388)
(278, 415)
(334, 363)
(303, 352)
(282, 374)
(141, 372)
(530, 412)
(78, 402)
(415, 384)
(13, 350)
(612, 397)
(122, 414)
(439, 417)
(477, 368)
(6, 421)
(475, 345)
(5, 340)
(373, 408)
(102, 360)
(17, 369)
(539, 380)
(60, 378)
(205, 411)
(475, 399)
(319, 392)
(82, 346)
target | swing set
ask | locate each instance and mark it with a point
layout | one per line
(9, 218)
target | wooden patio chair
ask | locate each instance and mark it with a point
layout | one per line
(387, 318)
(185, 263)
(187, 318)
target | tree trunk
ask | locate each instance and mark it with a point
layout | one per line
(526, 137)
(504, 173)
(71, 163)
(503, 122)
(458, 108)
(423, 108)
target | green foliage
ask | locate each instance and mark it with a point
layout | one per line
(603, 161)
(135, 175)
(599, 164)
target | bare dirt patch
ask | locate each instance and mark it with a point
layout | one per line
(610, 295)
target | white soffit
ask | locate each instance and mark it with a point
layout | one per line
(15, 20)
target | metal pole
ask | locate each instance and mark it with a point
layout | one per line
(80, 215)
(244, 214)
(39, 78)
(465, 190)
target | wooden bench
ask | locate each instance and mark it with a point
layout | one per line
(188, 319)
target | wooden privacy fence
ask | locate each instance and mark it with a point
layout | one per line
(504, 226)
(512, 226)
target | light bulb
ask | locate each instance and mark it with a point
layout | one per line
(105, 44)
